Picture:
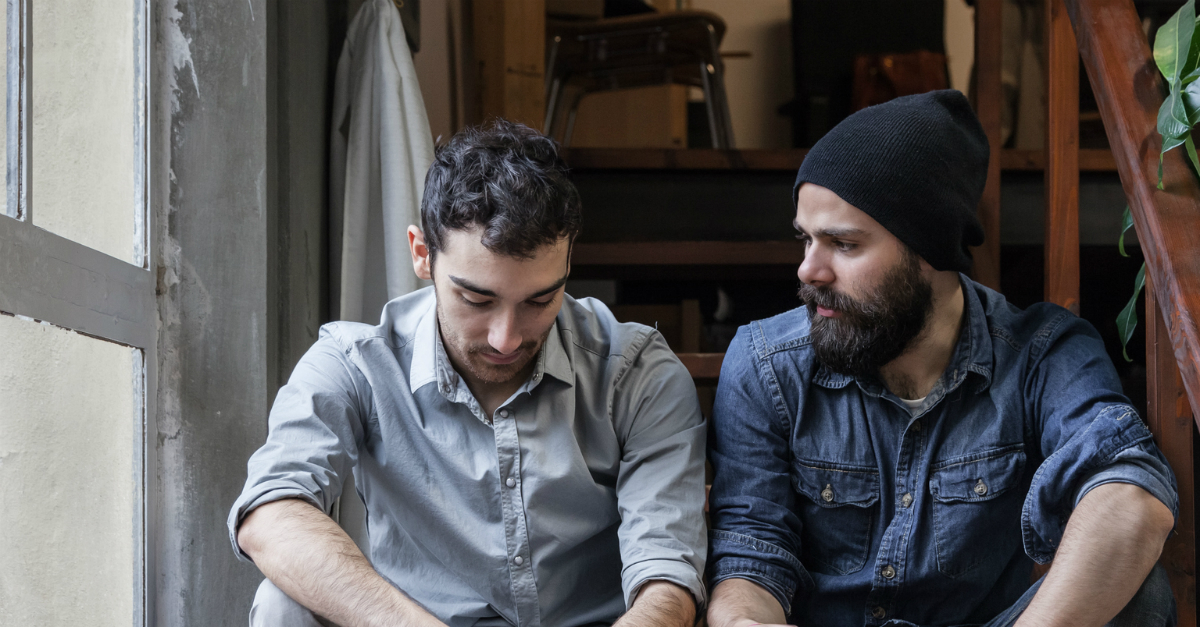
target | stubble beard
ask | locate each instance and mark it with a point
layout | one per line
(872, 332)
(472, 354)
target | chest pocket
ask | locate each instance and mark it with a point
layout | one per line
(837, 508)
(977, 508)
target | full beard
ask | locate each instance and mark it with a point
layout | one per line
(872, 332)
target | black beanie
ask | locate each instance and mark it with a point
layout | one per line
(917, 165)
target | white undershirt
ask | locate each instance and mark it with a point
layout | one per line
(913, 404)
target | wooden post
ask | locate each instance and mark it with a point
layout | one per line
(1062, 159)
(1169, 416)
(988, 100)
(510, 48)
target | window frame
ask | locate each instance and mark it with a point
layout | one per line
(49, 278)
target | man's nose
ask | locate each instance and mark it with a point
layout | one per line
(815, 270)
(503, 335)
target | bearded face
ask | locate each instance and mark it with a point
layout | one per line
(871, 331)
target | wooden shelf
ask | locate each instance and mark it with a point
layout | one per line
(687, 253)
(705, 368)
(1090, 160)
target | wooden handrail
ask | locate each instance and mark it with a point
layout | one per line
(1129, 91)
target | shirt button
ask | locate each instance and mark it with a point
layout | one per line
(827, 493)
(888, 572)
(518, 560)
(916, 426)
(906, 500)
(510, 482)
(981, 488)
(879, 613)
(504, 413)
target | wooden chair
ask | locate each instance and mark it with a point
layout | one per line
(681, 47)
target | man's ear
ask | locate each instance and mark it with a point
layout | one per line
(420, 253)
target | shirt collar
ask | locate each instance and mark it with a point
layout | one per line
(430, 364)
(972, 353)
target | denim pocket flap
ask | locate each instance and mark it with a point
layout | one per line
(837, 487)
(979, 476)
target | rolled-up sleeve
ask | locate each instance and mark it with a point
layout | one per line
(660, 485)
(755, 532)
(1090, 434)
(314, 430)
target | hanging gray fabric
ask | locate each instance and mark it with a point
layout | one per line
(381, 148)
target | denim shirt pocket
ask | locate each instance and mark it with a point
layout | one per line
(837, 509)
(976, 508)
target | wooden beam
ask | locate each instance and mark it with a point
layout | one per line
(988, 100)
(704, 367)
(510, 48)
(1129, 91)
(1090, 160)
(686, 253)
(1169, 417)
(1062, 160)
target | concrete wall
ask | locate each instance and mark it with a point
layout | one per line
(66, 477)
(209, 202)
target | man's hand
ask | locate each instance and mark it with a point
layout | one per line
(661, 604)
(1112, 540)
(310, 558)
(742, 603)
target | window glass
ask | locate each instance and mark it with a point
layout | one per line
(67, 428)
(83, 135)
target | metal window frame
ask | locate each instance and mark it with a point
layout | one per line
(52, 279)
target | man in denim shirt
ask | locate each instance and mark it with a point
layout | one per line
(524, 458)
(904, 448)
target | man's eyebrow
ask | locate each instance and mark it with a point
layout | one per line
(831, 232)
(471, 287)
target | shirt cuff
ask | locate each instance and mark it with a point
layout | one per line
(737, 556)
(1133, 472)
(249, 502)
(679, 573)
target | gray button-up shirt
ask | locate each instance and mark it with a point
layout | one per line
(585, 484)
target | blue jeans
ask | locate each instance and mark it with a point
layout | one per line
(1152, 606)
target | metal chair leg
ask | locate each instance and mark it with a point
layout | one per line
(553, 94)
(717, 82)
(709, 105)
(571, 114)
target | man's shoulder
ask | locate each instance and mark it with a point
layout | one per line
(588, 324)
(782, 332)
(397, 324)
(1019, 328)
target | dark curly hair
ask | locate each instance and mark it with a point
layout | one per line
(506, 178)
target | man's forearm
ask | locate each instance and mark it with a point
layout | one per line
(1112, 540)
(660, 604)
(740, 602)
(306, 554)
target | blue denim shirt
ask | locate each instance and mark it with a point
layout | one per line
(852, 510)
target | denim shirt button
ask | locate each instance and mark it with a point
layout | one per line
(518, 560)
(888, 572)
(981, 488)
(512, 483)
(878, 613)
(504, 413)
(916, 426)
(827, 493)
(906, 500)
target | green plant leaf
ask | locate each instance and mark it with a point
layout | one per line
(1190, 96)
(1173, 119)
(1127, 319)
(1126, 224)
(1173, 43)
(1191, 153)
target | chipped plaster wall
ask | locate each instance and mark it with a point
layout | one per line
(209, 158)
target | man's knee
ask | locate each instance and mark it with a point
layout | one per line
(1153, 605)
(273, 608)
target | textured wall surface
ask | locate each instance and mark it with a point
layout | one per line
(66, 477)
(209, 198)
(83, 123)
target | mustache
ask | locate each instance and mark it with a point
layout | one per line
(486, 349)
(852, 311)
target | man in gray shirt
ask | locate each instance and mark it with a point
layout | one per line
(524, 458)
